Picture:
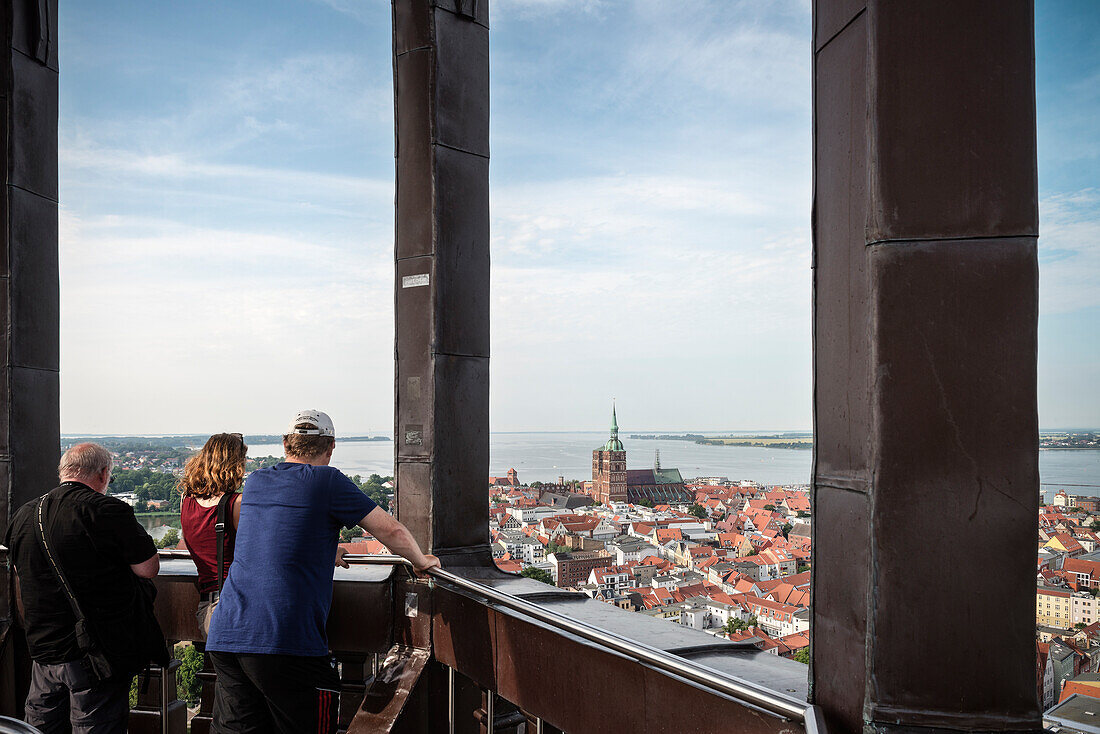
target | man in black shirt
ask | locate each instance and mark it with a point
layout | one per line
(102, 551)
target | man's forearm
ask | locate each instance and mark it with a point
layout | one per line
(399, 540)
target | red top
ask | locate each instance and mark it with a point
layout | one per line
(202, 540)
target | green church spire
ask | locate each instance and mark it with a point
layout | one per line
(613, 443)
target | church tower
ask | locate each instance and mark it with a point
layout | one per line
(609, 467)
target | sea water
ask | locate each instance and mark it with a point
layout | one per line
(546, 456)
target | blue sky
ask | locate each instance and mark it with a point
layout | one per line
(227, 194)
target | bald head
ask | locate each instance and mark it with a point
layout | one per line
(88, 463)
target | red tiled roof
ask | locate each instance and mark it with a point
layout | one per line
(509, 566)
(367, 546)
(796, 641)
(666, 534)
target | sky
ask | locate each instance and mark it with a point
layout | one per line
(227, 214)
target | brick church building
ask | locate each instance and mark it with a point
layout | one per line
(613, 482)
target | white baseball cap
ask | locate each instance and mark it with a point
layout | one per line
(322, 424)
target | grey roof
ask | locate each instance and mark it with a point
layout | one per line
(1077, 713)
(627, 541)
(1059, 651)
(801, 529)
(566, 501)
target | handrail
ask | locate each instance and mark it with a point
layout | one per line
(740, 690)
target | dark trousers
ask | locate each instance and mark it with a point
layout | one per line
(289, 694)
(65, 698)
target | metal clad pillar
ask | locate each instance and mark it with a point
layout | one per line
(29, 290)
(925, 318)
(441, 89)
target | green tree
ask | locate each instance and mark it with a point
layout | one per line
(169, 539)
(262, 462)
(1080, 625)
(769, 508)
(802, 513)
(188, 684)
(698, 511)
(373, 488)
(802, 656)
(347, 536)
(736, 625)
(553, 547)
(645, 502)
(537, 574)
(787, 528)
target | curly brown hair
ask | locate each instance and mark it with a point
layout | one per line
(217, 468)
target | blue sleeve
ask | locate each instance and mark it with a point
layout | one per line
(349, 505)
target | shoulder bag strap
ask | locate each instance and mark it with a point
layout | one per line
(40, 531)
(220, 530)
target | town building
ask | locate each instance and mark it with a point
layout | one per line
(572, 569)
(510, 480)
(1053, 607)
(613, 482)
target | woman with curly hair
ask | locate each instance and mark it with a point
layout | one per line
(211, 479)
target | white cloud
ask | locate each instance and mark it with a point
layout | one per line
(188, 329)
(1069, 251)
(83, 159)
(524, 10)
(359, 9)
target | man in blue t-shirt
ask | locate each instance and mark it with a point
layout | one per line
(267, 635)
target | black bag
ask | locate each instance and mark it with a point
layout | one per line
(151, 640)
(94, 661)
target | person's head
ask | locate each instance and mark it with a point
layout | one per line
(87, 463)
(217, 468)
(310, 438)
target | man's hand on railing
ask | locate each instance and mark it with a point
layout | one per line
(340, 553)
(428, 563)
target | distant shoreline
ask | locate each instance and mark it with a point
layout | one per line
(1069, 448)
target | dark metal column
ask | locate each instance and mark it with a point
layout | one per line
(441, 89)
(29, 290)
(925, 315)
(29, 428)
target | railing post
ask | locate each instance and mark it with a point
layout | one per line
(450, 700)
(441, 431)
(158, 709)
(925, 314)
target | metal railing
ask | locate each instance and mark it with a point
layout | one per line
(735, 688)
